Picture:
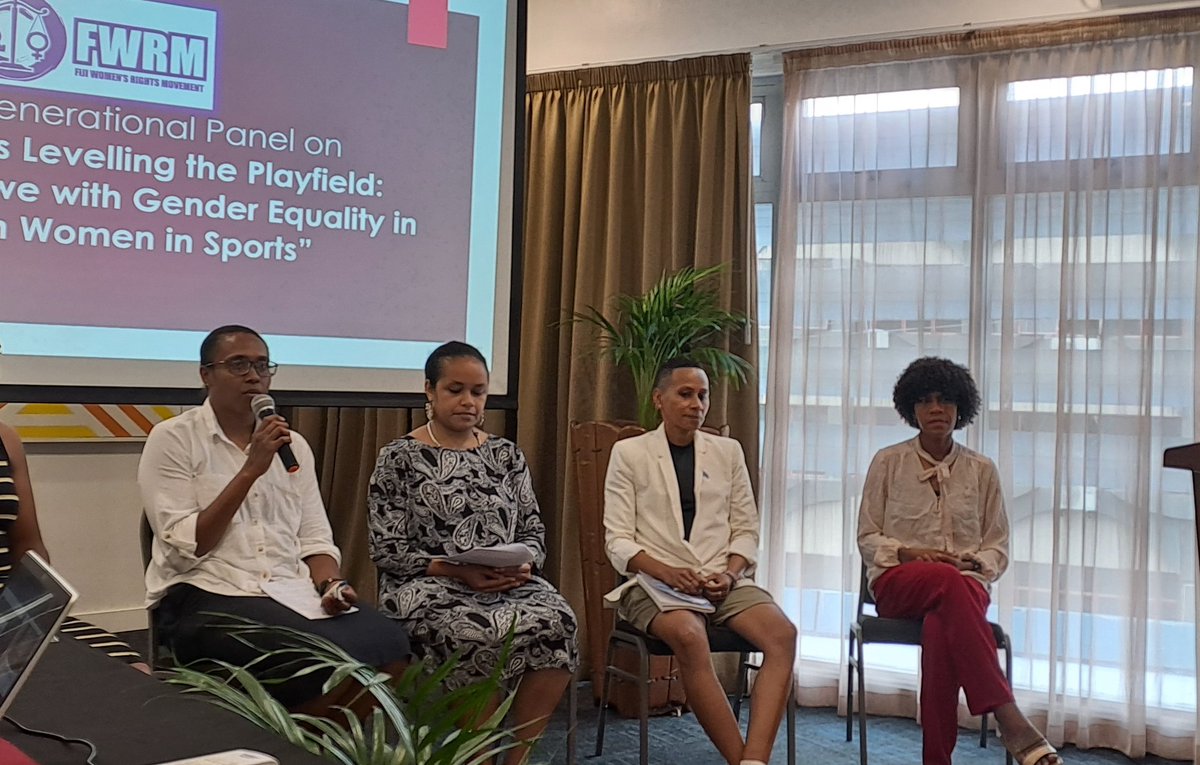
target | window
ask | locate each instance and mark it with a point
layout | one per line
(897, 130)
(1033, 215)
(1126, 129)
(766, 135)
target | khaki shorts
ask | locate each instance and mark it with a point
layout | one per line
(638, 609)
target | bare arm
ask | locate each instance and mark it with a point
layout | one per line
(168, 481)
(682, 579)
(326, 575)
(737, 565)
(322, 568)
(213, 521)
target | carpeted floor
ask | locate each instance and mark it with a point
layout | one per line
(820, 738)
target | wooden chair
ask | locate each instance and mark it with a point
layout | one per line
(720, 640)
(869, 628)
(591, 447)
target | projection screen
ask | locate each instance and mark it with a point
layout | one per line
(337, 174)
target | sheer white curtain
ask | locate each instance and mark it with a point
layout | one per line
(1032, 214)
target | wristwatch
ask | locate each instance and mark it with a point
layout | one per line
(324, 586)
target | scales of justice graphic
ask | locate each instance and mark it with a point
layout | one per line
(24, 38)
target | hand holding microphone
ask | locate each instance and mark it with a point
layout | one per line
(274, 433)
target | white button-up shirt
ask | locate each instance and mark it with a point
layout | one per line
(187, 462)
(900, 509)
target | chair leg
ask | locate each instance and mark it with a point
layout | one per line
(862, 708)
(791, 724)
(602, 718)
(572, 719)
(743, 680)
(1008, 662)
(850, 691)
(644, 705)
(152, 657)
(983, 723)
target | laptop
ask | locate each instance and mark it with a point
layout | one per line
(33, 604)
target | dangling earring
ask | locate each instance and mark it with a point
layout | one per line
(482, 419)
(428, 410)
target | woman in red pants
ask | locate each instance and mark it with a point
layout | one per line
(934, 535)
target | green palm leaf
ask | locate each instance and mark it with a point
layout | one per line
(414, 720)
(680, 315)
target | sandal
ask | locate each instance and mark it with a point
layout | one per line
(1040, 753)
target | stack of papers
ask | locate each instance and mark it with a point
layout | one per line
(500, 556)
(667, 598)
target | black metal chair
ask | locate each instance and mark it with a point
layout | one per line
(157, 655)
(869, 628)
(720, 640)
(572, 719)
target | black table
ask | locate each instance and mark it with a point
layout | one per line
(133, 719)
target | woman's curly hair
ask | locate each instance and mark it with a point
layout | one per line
(931, 374)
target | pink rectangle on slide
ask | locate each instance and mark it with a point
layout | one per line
(428, 21)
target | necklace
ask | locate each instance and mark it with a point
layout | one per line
(438, 444)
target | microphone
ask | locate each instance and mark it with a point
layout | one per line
(263, 406)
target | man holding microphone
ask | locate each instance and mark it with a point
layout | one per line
(240, 528)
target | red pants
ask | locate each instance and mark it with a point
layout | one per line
(958, 649)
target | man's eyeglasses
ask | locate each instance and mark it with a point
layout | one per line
(242, 367)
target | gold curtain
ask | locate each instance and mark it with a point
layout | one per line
(633, 171)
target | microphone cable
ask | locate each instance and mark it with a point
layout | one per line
(91, 758)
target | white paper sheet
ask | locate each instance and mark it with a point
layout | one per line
(500, 556)
(668, 598)
(300, 596)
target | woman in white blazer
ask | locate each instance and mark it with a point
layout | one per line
(678, 507)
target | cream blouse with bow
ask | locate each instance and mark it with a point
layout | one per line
(901, 509)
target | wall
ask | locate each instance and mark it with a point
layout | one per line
(567, 34)
(89, 510)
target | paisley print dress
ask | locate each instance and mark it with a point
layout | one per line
(427, 502)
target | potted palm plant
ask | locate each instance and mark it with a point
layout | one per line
(681, 315)
(414, 720)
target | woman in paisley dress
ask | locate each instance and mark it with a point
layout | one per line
(448, 487)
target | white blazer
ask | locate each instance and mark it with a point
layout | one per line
(642, 510)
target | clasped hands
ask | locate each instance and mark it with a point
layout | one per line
(910, 554)
(714, 587)
(490, 579)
